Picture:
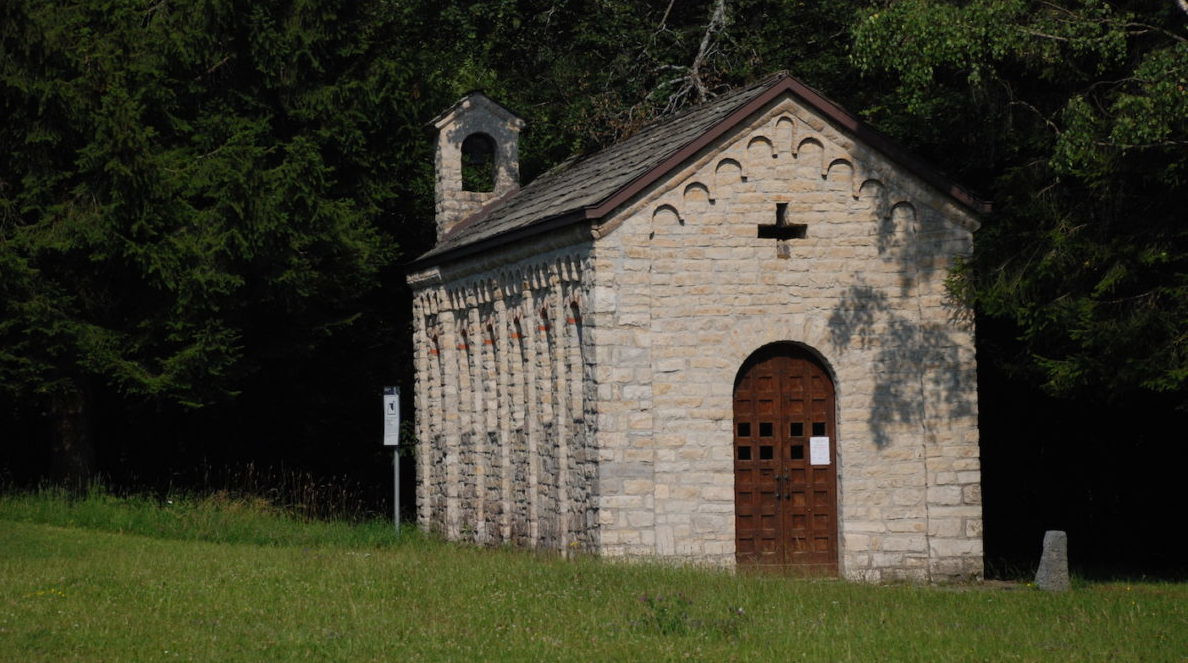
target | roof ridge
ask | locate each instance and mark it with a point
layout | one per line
(588, 187)
(766, 82)
(660, 121)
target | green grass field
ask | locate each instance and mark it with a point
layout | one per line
(114, 580)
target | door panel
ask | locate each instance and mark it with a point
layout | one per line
(785, 506)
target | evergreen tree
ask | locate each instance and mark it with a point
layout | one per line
(189, 190)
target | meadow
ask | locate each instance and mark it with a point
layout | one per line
(221, 579)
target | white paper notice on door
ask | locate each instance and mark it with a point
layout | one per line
(819, 450)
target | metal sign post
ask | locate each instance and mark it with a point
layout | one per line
(392, 439)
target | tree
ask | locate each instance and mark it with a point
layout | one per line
(1073, 116)
(589, 73)
(189, 191)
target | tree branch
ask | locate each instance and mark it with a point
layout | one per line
(664, 19)
(716, 23)
(691, 81)
(1038, 113)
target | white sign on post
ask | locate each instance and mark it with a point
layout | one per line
(391, 416)
(819, 450)
(392, 439)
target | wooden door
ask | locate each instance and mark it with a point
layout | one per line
(785, 481)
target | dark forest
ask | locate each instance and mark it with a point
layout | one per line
(206, 209)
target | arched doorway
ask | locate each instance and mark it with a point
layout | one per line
(785, 470)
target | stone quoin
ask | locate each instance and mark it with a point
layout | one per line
(725, 340)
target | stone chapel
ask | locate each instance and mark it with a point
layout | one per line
(725, 340)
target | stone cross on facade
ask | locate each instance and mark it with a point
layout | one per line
(782, 231)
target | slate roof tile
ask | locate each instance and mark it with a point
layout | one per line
(588, 181)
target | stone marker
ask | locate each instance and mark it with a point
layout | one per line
(1052, 575)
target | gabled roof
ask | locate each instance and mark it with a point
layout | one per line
(476, 98)
(593, 186)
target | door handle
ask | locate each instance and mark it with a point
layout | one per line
(780, 486)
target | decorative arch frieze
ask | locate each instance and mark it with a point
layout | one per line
(728, 173)
(785, 134)
(759, 153)
(903, 216)
(697, 195)
(810, 152)
(664, 216)
(840, 169)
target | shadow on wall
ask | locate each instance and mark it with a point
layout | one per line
(917, 365)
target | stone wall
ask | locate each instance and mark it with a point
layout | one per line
(685, 290)
(504, 385)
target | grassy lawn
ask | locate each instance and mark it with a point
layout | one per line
(112, 580)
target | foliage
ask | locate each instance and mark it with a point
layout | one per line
(205, 204)
(201, 196)
(88, 595)
(674, 615)
(217, 517)
(196, 197)
(189, 187)
(588, 73)
(1073, 115)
